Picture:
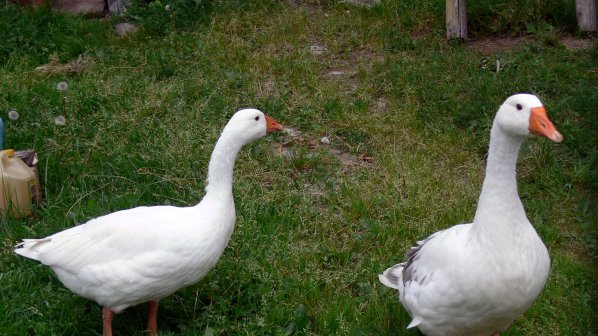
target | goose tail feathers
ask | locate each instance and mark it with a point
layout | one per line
(393, 276)
(414, 323)
(28, 248)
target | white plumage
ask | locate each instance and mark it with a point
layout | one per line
(147, 253)
(476, 279)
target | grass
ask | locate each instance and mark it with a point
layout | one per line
(408, 117)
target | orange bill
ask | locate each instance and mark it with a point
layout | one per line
(272, 125)
(540, 125)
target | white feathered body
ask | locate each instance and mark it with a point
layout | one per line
(444, 294)
(137, 255)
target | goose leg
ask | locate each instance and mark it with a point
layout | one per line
(152, 318)
(107, 316)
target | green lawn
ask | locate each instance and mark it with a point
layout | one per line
(407, 114)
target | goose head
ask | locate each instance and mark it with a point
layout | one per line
(523, 114)
(251, 124)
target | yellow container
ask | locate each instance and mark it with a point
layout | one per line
(19, 188)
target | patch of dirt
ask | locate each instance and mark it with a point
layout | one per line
(76, 66)
(313, 189)
(487, 45)
(268, 87)
(296, 138)
(343, 68)
(421, 33)
(366, 3)
(366, 56)
(349, 160)
(573, 43)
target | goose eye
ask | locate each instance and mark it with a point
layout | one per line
(257, 118)
(519, 107)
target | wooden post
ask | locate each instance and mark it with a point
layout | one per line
(456, 19)
(586, 15)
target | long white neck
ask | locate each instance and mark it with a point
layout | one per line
(222, 164)
(499, 208)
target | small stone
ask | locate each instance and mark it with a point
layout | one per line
(317, 49)
(60, 120)
(325, 140)
(125, 28)
(336, 73)
(382, 104)
(13, 115)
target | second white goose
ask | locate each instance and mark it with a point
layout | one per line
(476, 279)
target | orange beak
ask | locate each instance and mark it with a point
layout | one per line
(540, 125)
(272, 125)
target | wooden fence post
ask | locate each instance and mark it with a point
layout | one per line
(586, 15)
(456, 19)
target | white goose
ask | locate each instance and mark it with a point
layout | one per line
(476, 279)
(146, 253)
